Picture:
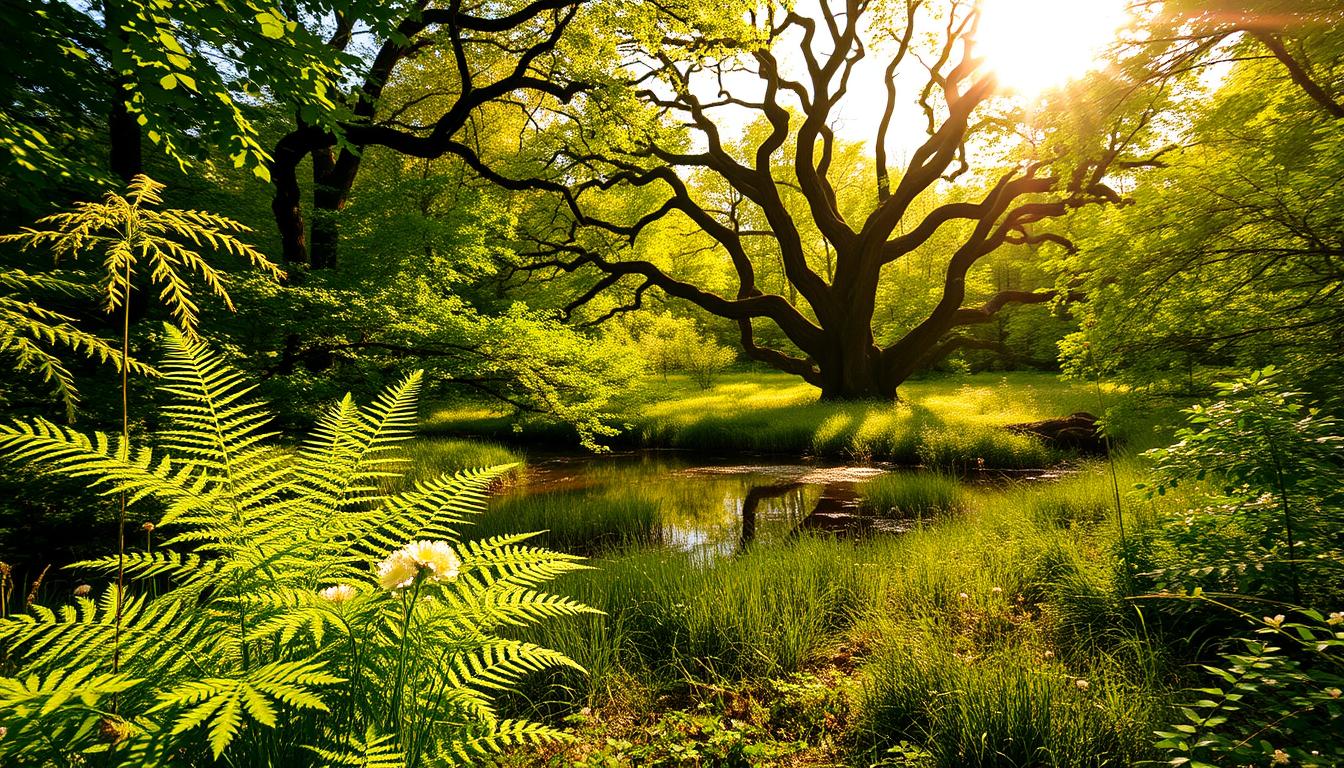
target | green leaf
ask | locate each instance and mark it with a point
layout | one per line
(272, 24)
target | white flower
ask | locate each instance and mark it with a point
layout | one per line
(964, 596)
(436, 559)
(339, 593)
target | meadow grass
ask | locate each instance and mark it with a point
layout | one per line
(669, 617)
(988, 622)
(431, 457)
(1006, 705)
(970, 635)
(913, 494)
(582, 521)
(949, 422)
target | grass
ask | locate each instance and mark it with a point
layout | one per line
(1005, 706)
(965, 642)
(949, 422)
(670, 616)
(583, 521)
(913, 494)
(431, 457)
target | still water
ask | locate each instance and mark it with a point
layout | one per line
(685, 501)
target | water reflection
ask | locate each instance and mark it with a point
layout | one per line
(692, 504)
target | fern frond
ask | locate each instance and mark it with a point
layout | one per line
(111, 468)
(431, 509)
(153, 635)
(31, 334)
(220, 704)
(49, 719)
(145, 565)
(497, 605)
(502, 560)
(371, 751)
(500, 663)
(44, 695)
(352, 448)
(504, 734)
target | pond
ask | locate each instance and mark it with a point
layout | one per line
(685, 501)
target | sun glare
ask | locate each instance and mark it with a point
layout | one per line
(1035, 45)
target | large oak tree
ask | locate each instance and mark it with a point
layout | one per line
(661, 125)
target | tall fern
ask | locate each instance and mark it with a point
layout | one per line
(296, 613)
(31, 335)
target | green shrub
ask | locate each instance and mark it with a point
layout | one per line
(1271, 524)
(1267, 705)
(292, 614)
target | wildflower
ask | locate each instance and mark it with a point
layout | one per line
(964, 596)
(1336, 618)
(1280, 758)
(1049, 654)
(148, 527)
(1275, 621)
(339, 593)
(1082, 684)
(997, 590)
(435, 559)
(83, 590)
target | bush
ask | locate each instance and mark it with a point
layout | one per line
(1271, 526)
(1263, 705)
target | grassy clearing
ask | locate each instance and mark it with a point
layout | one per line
(996, 637)
(951, 422)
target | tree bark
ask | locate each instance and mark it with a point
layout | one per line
(328, 200)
